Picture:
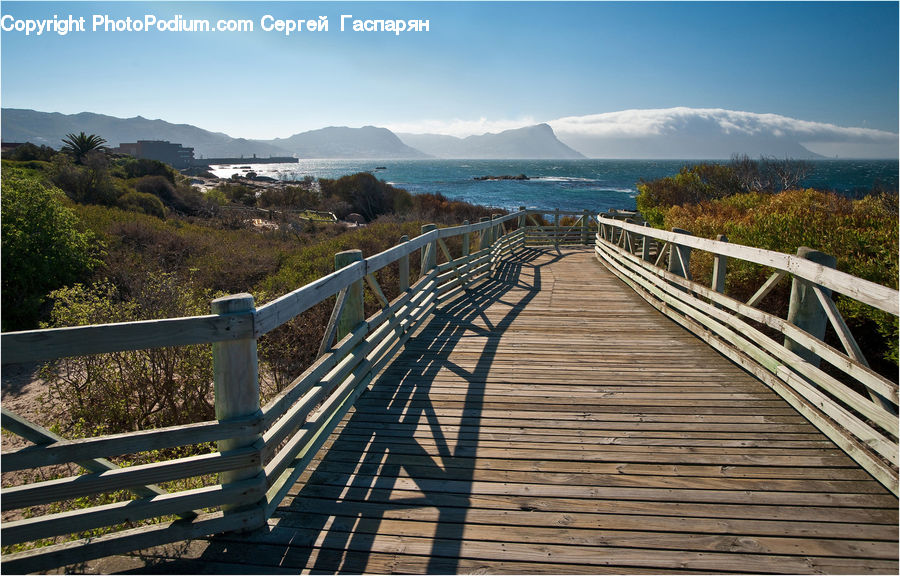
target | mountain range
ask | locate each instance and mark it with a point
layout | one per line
(676, 133)
(531, 142)
(45, 128)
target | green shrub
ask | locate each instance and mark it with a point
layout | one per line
(133, 390)
(29, 151)
(861, 234)
(144, 203)
(88, 181)
(158, 186)
(364, 194)
(129, 168)
(43, 247)
(691, 185)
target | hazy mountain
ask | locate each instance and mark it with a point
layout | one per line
(49, 128)
(532, 142)
(343, 142)
(711, 133)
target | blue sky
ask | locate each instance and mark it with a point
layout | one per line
(481, 66)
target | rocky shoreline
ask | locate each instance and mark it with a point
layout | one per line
(504, 177)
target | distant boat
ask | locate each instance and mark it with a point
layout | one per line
(381, 167)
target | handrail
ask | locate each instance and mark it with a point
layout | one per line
(866, 428)
(865, 291)
(275, 442)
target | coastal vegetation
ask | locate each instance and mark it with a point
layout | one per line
(759, 204)
(114, 239)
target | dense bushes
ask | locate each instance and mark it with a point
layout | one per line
(132, 390)
(141, 202)
(165, 255)
(861, 234)
(96, 177)
(43, 247)
(702, 182)
(363, 194)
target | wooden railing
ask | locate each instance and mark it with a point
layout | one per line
(850, 403)
(548, 227)
(261, 450)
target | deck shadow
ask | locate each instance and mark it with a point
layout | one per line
(340, 508)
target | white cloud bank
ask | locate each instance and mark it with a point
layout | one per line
(715, 132)
(686, 133)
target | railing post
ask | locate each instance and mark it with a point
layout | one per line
(556, 228)
(429, 251)
(680, 257)
(404, 267)
(585, 227)
(804, 310)
(466, 240)
(720, 264)
(522, 217)
(613, 231)
(485, 234)
(645, 246)
(236, 385)
(352, 314)
(628, 245)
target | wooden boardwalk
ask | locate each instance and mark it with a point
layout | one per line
(550, 421)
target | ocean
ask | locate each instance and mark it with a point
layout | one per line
(597, 185)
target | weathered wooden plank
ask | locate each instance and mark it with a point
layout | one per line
(594, 555)
(855, 480)
(76, 551)
(80, 520)
(589, 536)
(49, 344)
(292, 304)
(336, 470)
(80, 449)
(587, 520)
(406, 498)
(331, 327)
(120, 478)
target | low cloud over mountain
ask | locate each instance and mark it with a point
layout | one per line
(687, 133)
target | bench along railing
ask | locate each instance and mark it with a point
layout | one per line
(857, 409)
(261, 451)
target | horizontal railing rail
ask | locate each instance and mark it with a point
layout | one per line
(261, 450)
(857, 409)
(579, 229)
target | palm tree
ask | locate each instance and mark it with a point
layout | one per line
(81, 144)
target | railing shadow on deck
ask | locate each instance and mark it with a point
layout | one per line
(338, 511)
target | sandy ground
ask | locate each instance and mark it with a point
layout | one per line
(21, 394)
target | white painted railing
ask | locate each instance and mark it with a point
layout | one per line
(858, 411)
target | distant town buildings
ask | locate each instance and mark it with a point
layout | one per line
(176, 155)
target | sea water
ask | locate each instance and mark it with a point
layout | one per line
(565, 184)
